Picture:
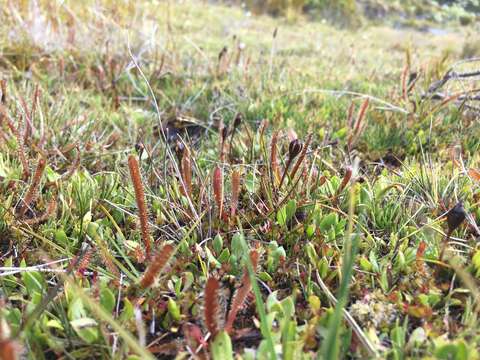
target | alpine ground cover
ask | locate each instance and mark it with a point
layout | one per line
(182, 179)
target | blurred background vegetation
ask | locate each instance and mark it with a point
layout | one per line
(353, 13)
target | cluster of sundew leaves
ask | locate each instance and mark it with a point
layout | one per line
(400, 295)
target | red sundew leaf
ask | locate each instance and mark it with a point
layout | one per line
(157, 264)
(419, 311)
(242, 293)
(8, 350)
(141, 204)
(474, 174)
(420, 253)
(194, 335)
(346, 179)
(32, 193)
(393, 297)
(212, 307)
(235, 192)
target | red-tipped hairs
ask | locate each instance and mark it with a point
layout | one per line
(141, 205)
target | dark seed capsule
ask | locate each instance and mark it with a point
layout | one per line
(222, 53)
(139, 148)
(3, 87)
(238, 120)
(179, 149)
(412, 77)
(224, 133)
(294, 148)
(455, 216)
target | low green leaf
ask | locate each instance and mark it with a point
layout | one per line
(33, 281)
(86, 328)
(282, 216)
(221, 347)
(107, 299)
(174, 310)
(328, 221)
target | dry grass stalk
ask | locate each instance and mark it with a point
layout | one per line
(405, 72)
(273, 158)
(218, 189)
(350, 111)
(186, 173)
(358, 123)
(28, 121)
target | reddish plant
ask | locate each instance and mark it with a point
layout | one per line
(32, 192)
(212, 307)
(346, 179)
(404, 85)
(9, 350)
(242, 293)
(141, 205)
(301, 157)
(75, 164)
(107, 260)
(157, 264)
(294, 148)
(84, 260)
(21, 148)
(357, 130)
(351, 108)
(235, 192)
(193, 335)
(51, 208)
(419, 262)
